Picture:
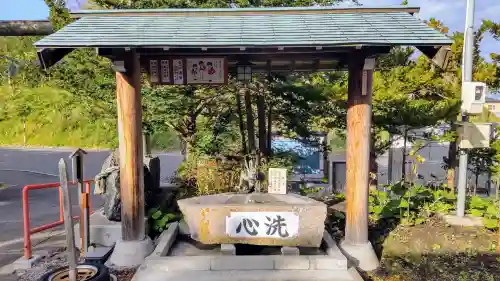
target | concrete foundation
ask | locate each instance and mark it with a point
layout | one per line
(467, 221)
(361, 255)
(228, 249)
(23, 263)
(103, 232)
(290, 251)
(128, 254)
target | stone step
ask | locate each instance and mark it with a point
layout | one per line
(271, 262)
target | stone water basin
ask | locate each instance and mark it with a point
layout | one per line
(256, 219)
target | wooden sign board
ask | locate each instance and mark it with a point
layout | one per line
(186, 71)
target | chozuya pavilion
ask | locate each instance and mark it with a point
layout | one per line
(170, 43)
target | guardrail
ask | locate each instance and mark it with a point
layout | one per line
(26, 212)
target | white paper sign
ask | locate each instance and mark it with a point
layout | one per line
(280, 225)
(178, 72)
(165, 71)
(206, 70)
(277, 181)
(153, 71)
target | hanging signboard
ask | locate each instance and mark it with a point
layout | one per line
(206, 70)
(187, 71)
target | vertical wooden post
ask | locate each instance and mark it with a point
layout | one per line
(128, 96)
(359, 115)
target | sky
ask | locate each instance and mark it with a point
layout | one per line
(451, 12)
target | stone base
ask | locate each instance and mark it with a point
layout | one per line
(248, 268)
(362, 255)
(127, 254)
(146, 273)
(463, 221)
(103, 232)
(23, 263)
(207, 265)
(166, 240)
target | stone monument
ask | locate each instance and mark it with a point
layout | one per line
(256, 218)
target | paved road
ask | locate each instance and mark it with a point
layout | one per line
(20, 167)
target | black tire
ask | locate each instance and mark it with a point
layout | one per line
(101, 275)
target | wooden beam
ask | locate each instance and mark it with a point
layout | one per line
(128, 96)
(295, 52)
(359, 116)
(25, 28)
(293, 68)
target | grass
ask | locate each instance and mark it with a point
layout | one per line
(53, 118)
(56, 117)
(436, 251)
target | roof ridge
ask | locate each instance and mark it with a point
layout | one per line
(252, 11)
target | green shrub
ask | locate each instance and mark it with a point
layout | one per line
(486, 208)
(203, 175)
(160, 221)
(413, 204)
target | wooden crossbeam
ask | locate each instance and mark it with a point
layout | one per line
(25, 28)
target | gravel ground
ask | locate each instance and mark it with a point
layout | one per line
(123, 274)
(57, 259)
(54, 260)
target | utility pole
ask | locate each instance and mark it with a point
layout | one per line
(467, 62)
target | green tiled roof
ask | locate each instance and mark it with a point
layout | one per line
(202, 29)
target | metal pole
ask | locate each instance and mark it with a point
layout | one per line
(146, 144)
(467, 64)
(68, 221)
(77, 162)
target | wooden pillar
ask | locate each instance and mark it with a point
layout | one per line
(359, 115)
(128, 96)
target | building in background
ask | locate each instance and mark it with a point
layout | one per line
(493, 104)
(310, 165)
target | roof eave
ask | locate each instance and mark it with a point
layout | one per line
(430, 46)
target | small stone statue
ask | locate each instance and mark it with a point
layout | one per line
(108, 185)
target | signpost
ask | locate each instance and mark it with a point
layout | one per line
(68, 220)
(77, 163)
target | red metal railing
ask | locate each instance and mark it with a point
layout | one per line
(26, 212)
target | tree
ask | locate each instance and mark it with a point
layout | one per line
(438, 25)
(407, 98)
(25, 28)
(482, 71)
